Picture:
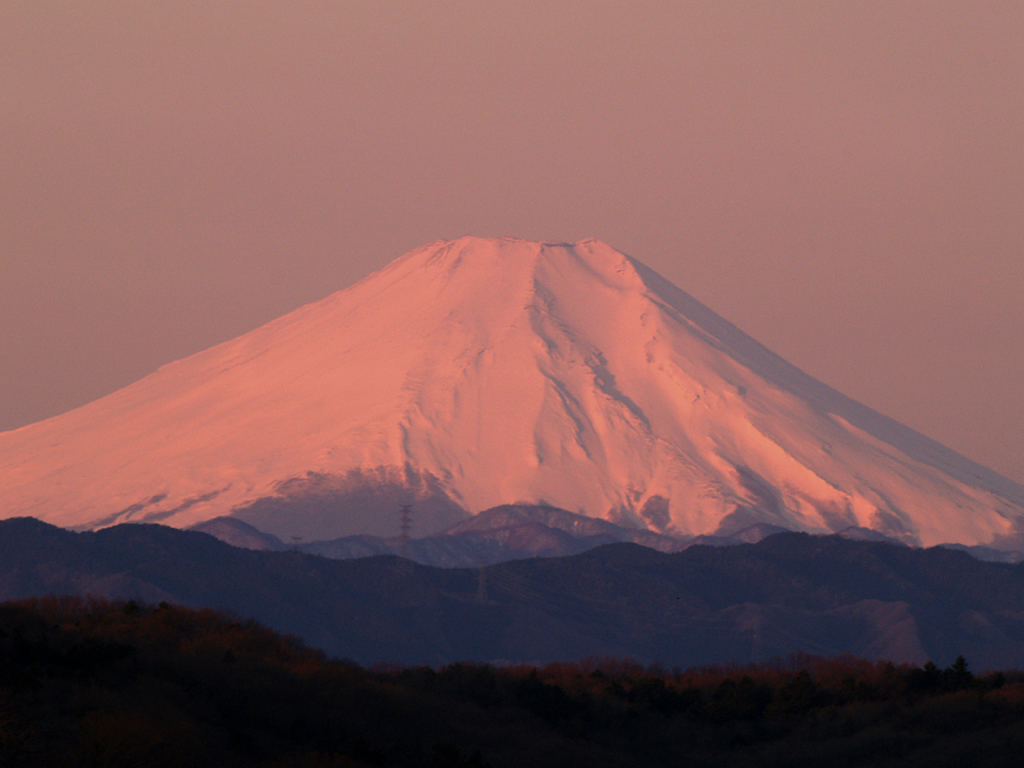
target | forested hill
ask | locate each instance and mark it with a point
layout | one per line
(92, 683)
(790, 592)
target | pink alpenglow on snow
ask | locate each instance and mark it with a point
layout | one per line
(478, 372)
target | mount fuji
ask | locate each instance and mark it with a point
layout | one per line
(480, 372)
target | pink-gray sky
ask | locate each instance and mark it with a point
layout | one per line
(843, 180)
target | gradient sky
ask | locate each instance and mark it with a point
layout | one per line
(843, 180)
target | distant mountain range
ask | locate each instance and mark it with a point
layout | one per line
(480, 372)
(506, 532)
(517, 532)
(824, 595)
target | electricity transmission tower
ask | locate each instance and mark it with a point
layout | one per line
(405, 526)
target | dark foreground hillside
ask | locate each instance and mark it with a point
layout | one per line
(92, 683)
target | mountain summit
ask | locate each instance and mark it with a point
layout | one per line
(478, 372)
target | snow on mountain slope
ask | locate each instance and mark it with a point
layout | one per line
(478, 372)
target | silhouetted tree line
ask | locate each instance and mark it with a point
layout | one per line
(86, 682)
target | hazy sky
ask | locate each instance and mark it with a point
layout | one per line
(843, 180)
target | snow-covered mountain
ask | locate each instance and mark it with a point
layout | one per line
(479, 372)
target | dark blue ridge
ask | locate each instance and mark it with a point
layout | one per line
(791, 592)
